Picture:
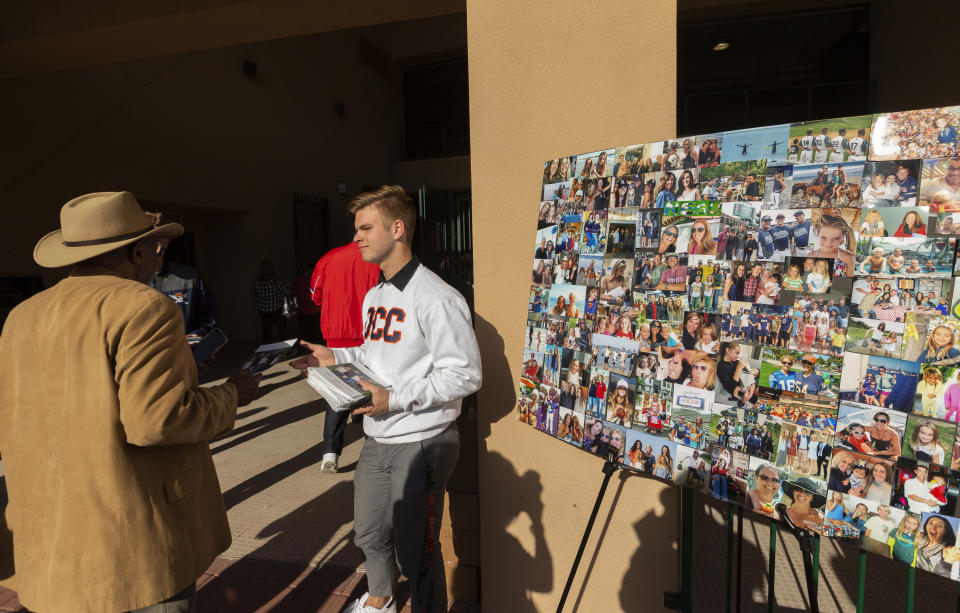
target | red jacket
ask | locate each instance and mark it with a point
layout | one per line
(340, 281)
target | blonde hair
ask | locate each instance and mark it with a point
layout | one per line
(393, 203)
(938, 353)
(709, 327)
(711, 380)
(561, 305)
(706, 243)
(821, 264)
(841, 455)
(915, 435)
(835, 222)
(901, 529)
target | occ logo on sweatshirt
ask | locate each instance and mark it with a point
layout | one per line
(381, 324)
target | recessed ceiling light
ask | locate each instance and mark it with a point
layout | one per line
(720, 46)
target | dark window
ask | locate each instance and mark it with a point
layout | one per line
(436, 120)
(779, 67)
(309, 221)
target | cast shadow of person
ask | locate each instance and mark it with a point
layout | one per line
(296, 539)
(249, 431)
(498, 400)
(519, 503)
(278, 472)
(518, 510)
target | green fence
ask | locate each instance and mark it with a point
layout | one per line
(683, 600)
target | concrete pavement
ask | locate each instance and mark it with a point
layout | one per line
(292, 547)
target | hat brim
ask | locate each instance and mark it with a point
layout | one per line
(818, 500)
(50, 251)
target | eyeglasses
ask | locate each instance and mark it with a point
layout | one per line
(698, 230)
(673, 234)
(879, 421)
(767, 479)
(787, 363)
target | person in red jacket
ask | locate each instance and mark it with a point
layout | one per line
(340, 281)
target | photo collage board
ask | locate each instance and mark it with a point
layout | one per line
(769, 315)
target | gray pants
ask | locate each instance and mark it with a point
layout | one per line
(401, 486)
(184, 602)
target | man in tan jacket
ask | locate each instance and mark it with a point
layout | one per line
(114, 499)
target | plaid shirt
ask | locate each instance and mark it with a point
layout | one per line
(750, 285)
(270, 294)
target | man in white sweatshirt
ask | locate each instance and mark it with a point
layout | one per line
(418, 337)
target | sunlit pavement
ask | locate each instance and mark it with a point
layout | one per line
(292, 547)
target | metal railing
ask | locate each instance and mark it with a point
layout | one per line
(683, 600)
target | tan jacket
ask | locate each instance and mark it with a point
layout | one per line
(114, 499)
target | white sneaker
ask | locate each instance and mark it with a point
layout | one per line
(329, 463)
(360, 606)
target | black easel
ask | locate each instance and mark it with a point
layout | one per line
(609, 467)
(805, 540)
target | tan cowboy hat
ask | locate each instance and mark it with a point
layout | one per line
(95, 224)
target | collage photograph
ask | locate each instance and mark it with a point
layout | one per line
(830, 140)
(938, 392)
(878, 381)
(692, 467)
(777, 187)
(652, 455)
(690, 417)
(628, 161)
(768, 143)
(855, 518)
(940, 185)
(805, 373)
(711, 147)
(922, 487)
(826, 185)
(728, 475)
(890, 183)
(924, 133)
(740, 181)
(777, 325)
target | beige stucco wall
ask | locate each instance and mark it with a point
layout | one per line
(547, 80)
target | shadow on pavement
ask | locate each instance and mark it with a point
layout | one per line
(275, 474)
(266, 424)
(254, 582)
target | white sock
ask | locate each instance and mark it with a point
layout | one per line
(330, 457)
(371, 607)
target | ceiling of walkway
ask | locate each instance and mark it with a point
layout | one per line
(68, 34)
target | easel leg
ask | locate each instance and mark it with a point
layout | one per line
(730, 515)
(739, 554)
(609, 467)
